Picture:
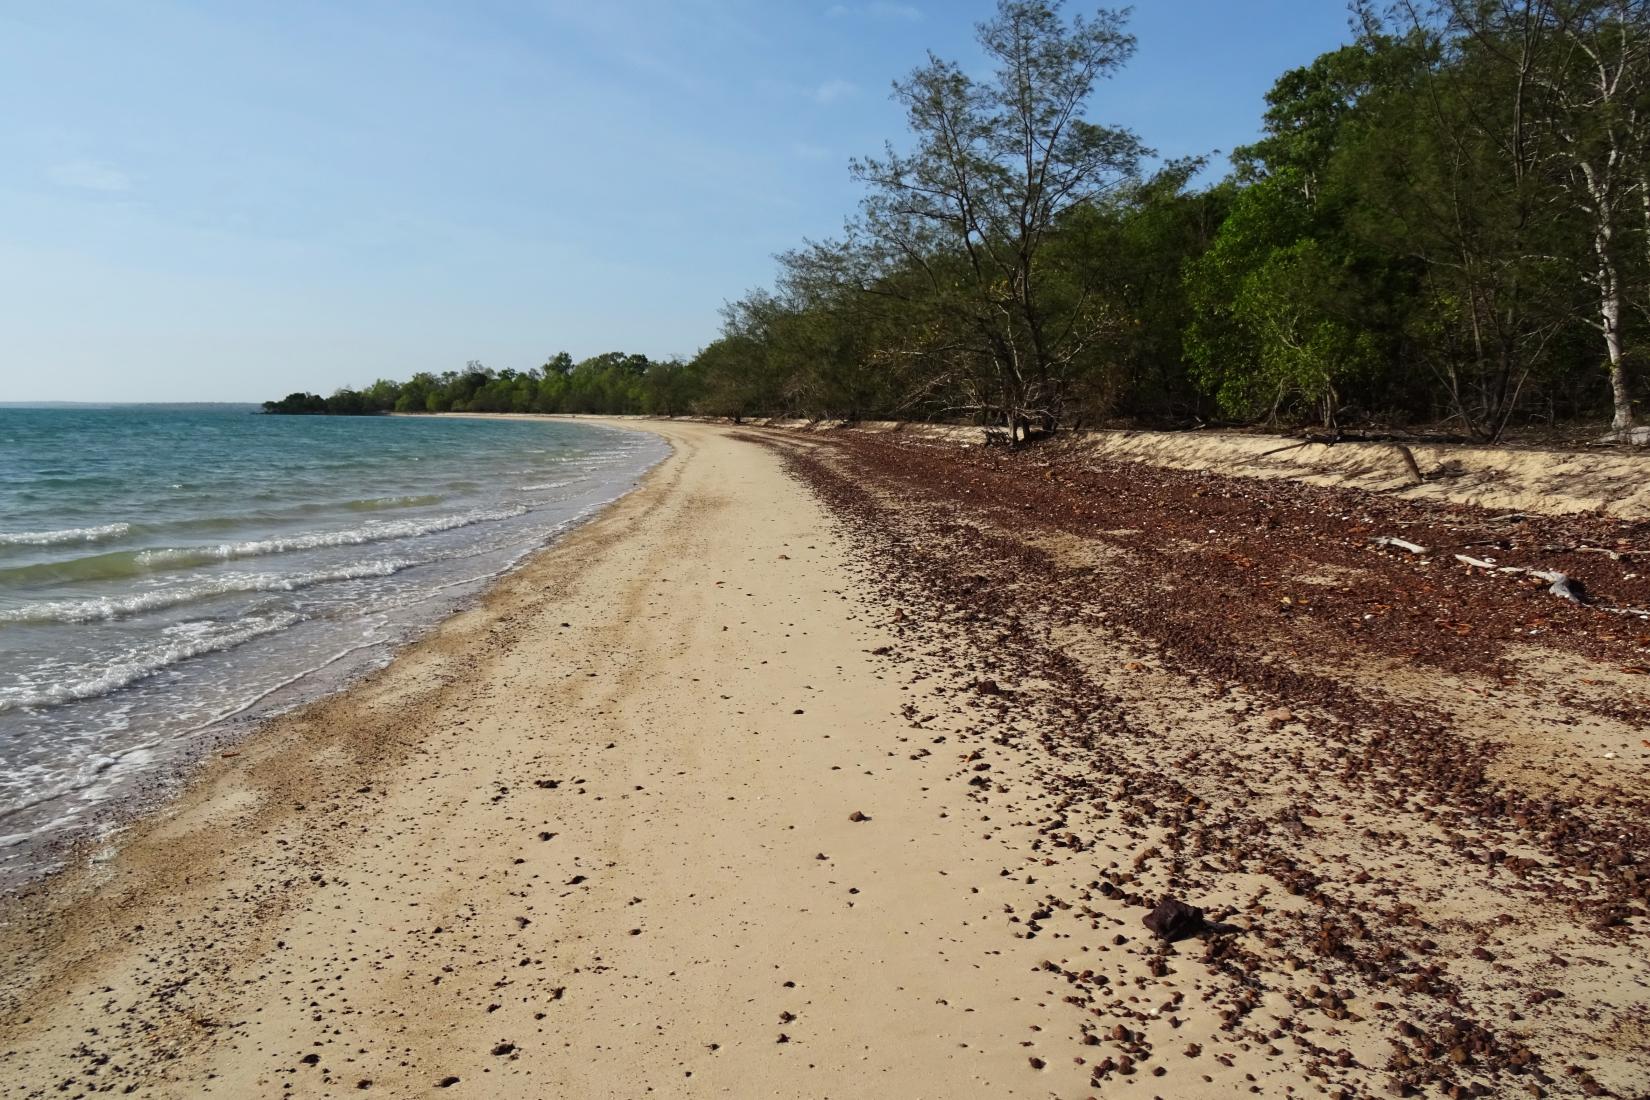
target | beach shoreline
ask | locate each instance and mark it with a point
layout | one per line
(226, 735)
(212, 620)
(829, 765)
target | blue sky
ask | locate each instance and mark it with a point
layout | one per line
(229, 201)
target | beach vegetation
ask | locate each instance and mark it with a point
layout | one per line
(613, 382)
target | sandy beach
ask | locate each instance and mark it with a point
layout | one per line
(585, 822)
(790, 775)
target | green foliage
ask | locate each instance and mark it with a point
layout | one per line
(1276, 306)
(613, 382)
(298, 404)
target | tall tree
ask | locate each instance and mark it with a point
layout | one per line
(995, 165)
(1287, 301)
(1553, 90)
(1597, 112)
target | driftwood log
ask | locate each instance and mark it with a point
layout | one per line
(1559, 584)
(1409, 463)
(1401, 544)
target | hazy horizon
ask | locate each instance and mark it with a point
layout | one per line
(229, 206)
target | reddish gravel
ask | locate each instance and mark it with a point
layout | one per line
(1439, 922)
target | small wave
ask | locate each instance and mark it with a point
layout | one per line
(230, 521)
(68, 534)
(546, 485)
(161, 599)
(122, 674)
(317, 540)
(374, 504)
(131, 563)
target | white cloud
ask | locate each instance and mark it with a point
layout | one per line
(89, 175)
(833, 90)
(809, 151)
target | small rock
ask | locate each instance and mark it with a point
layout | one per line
(1174, 920)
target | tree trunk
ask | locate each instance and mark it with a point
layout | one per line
(1620, 392)
(1609, 306)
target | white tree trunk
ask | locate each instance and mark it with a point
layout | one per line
(1621, 393)
(1644, 202)
(1609, 314)
(1608, 279)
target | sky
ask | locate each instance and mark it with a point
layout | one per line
(232, 201)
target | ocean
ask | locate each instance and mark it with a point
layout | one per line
(169, 575)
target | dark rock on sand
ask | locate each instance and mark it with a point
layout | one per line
(1174, 920)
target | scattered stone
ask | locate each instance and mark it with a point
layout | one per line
(1174, 920)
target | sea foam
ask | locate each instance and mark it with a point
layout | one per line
(114, 565)
(67, 534)
(140, 666)
(102, 608)
(316, 540)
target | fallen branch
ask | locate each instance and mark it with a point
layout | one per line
(1413, 548)
(1613, 555)
(1559, 584)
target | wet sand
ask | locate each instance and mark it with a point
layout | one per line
(835, 768)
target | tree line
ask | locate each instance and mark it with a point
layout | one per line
(614, 382)
(1445, 222)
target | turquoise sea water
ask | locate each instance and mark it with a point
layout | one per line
(168, 572)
